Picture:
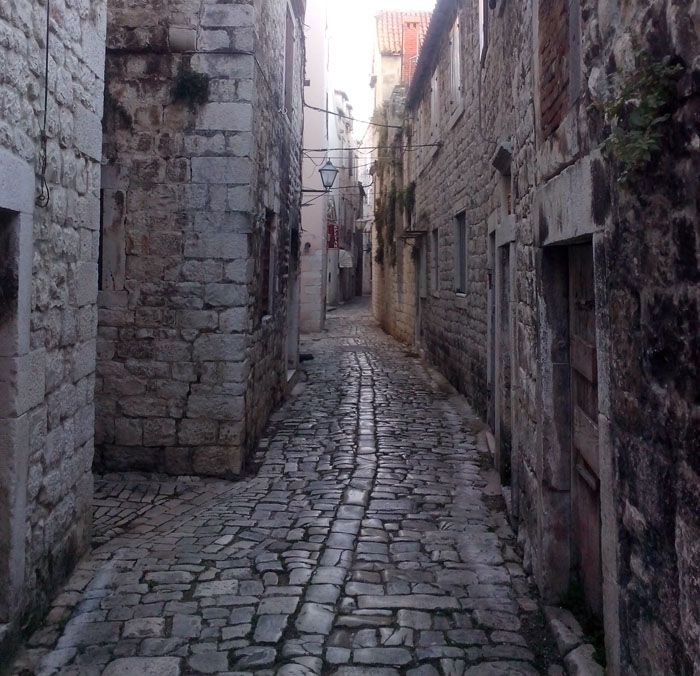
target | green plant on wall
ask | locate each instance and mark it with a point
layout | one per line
(191, 87)
(379, 229)
(390, 219)
(408, 200)
(637, 107)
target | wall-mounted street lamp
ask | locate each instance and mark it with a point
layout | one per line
(328, 173)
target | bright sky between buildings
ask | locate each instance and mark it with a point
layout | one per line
(352, 30)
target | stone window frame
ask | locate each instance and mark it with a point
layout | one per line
(434, 103)
(456, 62)
(567, 126)
(268, 273)
(435, 261)
(20, 382)
(288, 61)
(461, 252)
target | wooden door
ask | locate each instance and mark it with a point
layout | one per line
(585, 483)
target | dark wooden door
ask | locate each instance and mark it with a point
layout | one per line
(585, 483)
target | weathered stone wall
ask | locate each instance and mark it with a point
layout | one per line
(394, 273)
(564, 190)
(190, 360)
(649, 258)
(48, 323)
(276, 188)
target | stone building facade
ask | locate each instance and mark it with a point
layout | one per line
(199, 300)
(183, 229)
(49, 235)
(314, 244)
(344, 207)
(553, 278)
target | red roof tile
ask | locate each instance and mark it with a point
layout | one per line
(390, 29)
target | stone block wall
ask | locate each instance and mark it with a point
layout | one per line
(277, 190)
(563, 190)
(48, 317)
(189, 362)
(650, 263)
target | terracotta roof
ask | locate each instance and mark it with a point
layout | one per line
(390, 29)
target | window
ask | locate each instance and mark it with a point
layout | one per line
(423, 269)
(435, 268)
(506, 195)
(8, 264)
(289, 65)
(267, 268)
(483, 28)
(460, 222)
(455, 62)
(554, 63)
(435, 102)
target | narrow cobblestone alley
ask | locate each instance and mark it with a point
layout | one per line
(365, 541)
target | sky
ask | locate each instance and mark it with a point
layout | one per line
(352, 30)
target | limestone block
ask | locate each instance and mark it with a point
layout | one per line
(214, 40)
(93, 43)
(232, 434)
(228, 15)
(182, 39)
(234, 320)
(84, 424)
(225, 117)
(223, 221)
(128, 431)
(17, 180)
(171, 350)
(243, 39)
(23, 380)
(219, 347)
(216, 407)
(159, 432)
(143, 407)
(60, 443)
(86, 283)
(193, 432)
(235, 373)
(580, 662)
(240, 271)
(240, 198)
(226, 295)
(88, 133)
(217, 461)
(213, 170)
(202, 271)
(84, 360)
(230, 66)
(197, 319)
(219, 246)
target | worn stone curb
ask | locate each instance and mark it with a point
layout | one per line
(576, 653)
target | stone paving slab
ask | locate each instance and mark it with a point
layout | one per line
(361, 544)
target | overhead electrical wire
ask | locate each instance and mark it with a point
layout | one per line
(370, 148)
(348, 117)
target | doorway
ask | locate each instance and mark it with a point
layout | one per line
(585, 470)
(503, 373)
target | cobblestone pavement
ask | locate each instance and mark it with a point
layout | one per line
(365, 542)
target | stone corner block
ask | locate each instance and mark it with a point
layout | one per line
(88, 133)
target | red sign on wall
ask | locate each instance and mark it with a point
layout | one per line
(332, 235)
